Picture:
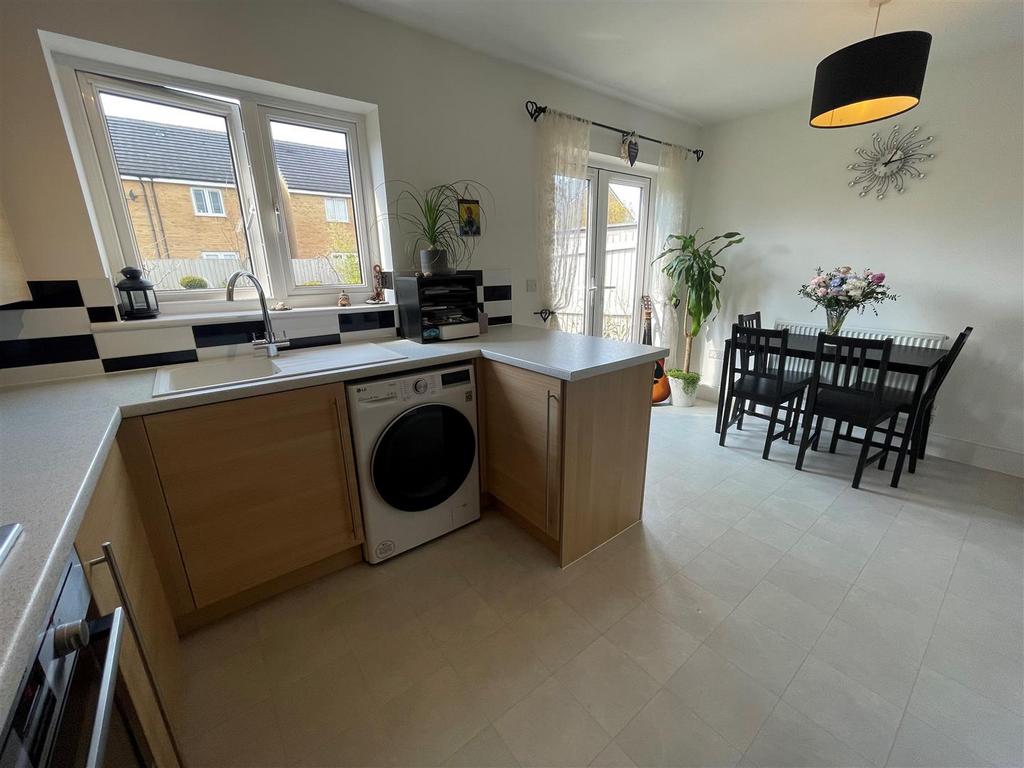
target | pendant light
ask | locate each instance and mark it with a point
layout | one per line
(870, 80)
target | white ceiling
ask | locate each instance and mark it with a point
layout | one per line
(703, 60)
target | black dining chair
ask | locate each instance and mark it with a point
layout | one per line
(919, 440)
(752, 320)
(922, 419)
(846, 388)
(757, 375)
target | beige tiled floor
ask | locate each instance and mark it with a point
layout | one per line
(758, 617)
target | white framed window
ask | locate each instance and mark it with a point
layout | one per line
(313, 157)
(336, 209)
(207, 201)
(247, 163)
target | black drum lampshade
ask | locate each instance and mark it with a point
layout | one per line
(870, 80)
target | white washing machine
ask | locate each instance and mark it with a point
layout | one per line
(416, 457)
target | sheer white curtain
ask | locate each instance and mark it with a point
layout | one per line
(669, 215)
(12, 277)
(563, 151)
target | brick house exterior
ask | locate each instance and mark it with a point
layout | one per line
(167, 226)
(162, 166)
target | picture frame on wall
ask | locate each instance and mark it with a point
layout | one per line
(469, 218)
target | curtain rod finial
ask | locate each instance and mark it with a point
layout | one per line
(534, 110)
(698, 153)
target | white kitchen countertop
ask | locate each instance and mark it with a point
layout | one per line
(55, 436)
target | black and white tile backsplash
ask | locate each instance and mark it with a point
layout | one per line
(50, 336)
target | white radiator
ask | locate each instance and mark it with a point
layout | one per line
(904, 338)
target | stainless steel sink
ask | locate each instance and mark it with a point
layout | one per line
(216, 373)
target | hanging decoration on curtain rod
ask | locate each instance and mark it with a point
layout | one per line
(629, 150)
(630, 146)
(871, 80)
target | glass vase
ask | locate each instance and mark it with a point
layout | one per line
(834, 320)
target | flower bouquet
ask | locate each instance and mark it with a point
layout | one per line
(841, 290)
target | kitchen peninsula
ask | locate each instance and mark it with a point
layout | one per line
(563, 431)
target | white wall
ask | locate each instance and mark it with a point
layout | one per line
(445, 112)
(952, 245)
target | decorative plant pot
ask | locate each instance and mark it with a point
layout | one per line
(834, 320)
(435, 261)
(680, 397)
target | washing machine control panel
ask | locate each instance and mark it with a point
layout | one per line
(420, 386)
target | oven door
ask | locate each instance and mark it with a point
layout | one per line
(68, 714)
(95, 728)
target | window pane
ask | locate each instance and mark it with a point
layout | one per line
(175, 163)
(216, 201)
(200, 201)
(571, 219)
(620, 265)
(336, 209)
(313, 179)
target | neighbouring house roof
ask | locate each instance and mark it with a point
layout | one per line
(159, 150)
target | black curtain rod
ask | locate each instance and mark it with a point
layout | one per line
(535, 110)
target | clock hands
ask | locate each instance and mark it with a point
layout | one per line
(890, 160)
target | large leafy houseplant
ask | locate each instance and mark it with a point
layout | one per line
(694, 266)
(429, 221)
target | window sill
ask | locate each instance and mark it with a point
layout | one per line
(207, 318)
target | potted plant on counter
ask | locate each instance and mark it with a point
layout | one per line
(683, 386)
(694, 266)
(430, 221)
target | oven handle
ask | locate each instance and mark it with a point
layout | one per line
(122, 594)
(105, 704)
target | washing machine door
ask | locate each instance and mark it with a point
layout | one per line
(423, 457)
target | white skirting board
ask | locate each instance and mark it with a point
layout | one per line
(977, 455)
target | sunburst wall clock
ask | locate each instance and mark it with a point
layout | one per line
(890, 162)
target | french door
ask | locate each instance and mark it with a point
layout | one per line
(606, 295)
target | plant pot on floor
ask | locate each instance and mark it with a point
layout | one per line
(435, 261)
(683, 387)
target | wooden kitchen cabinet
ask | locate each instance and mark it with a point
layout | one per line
(114, 515)
(523, 441)
(568, 458)
(257, 488)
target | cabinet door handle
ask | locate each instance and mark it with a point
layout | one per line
(122, 595)
(547, 461)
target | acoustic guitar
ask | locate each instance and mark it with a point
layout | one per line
(659, 384)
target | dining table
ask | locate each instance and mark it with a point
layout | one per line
(918, 363)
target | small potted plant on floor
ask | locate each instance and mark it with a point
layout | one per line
(683, 385)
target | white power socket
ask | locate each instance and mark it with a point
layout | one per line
(531, 286)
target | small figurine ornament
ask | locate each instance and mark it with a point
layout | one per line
(344, 300)
(279, 306)
(378, 286)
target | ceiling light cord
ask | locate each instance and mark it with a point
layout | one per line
(877, 14)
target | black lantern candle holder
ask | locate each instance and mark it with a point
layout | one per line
(137, 295)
